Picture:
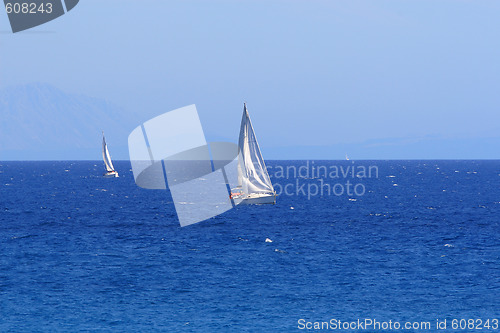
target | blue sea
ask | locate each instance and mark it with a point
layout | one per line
(419, 242)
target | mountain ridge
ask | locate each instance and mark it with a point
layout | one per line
(39, 118)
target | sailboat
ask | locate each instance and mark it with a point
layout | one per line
(110, 170)
(254, 183)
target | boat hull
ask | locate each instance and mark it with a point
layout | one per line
(259, 199)
(111, 174)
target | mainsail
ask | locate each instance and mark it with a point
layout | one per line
(105, 156)
(252, 172)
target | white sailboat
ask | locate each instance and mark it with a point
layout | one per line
(254, 183)
(110, 170)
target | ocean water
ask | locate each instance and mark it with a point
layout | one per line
(82, 253)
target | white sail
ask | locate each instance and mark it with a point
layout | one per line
(106, 157)
(252, 172)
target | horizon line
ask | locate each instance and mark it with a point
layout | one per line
(300, 159)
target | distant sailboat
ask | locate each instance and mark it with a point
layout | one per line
(110, 170)
(254, 183)
(346, 157)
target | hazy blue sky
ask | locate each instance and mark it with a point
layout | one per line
(314, 73)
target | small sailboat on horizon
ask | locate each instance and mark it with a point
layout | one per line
(110, 169)
(254, 183)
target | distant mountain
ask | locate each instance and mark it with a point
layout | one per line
(426, 148)
(39, 121)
